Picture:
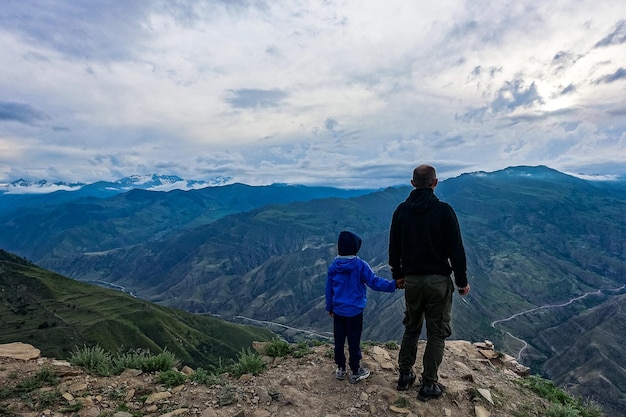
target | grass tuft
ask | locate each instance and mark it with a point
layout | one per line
(563, 405)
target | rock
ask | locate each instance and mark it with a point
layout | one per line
(388, 395)
(178, 389)
(78, 386)
(264, 397)
(245, 378)
(489, 354)
(399, 410)
(86, 401)
(175, 412)
(261, 413)
(157, 396)
(382, 358)
(512, 364)
(486, 394)
(130, 373)
(130, 394)
(481, 411)
(19, 350)
(187, 370)
(209, 412)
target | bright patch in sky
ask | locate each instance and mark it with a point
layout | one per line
(346, 93)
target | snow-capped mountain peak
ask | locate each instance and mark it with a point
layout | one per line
(153, 182)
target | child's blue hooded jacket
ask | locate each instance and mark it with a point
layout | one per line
(348, 278)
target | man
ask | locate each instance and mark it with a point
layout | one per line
(425, 246)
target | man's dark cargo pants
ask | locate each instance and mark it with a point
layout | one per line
(427, 297)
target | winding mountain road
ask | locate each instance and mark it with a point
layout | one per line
(272, 323)
(545, 307)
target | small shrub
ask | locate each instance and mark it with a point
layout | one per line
(563, 405)
(392, 345)
(100, 362)
(94, 359)
(249, 363)
(301, 349)
(273, 393)
(161, 362)
(546, 389)
(201, 376)
(71, 408)
(402, 402)
(278, 348)
(227, 395)
(171, 378)
(45, 399)
(558, 410)
(145, 361)
(41, 379)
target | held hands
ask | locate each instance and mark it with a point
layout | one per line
(400, 283)
(464, 290)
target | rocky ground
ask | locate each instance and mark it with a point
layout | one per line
(478, 382)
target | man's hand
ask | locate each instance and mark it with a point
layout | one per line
(400, 283)
(331, 314)
(465, 290)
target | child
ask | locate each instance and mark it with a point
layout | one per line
(346, 296)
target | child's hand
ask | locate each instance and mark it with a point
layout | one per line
(331, 314)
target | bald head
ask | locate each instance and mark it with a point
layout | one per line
(424, 176)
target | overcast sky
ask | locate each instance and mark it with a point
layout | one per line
(350, 93)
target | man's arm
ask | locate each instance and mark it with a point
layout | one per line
(395, 249)
(456, 251)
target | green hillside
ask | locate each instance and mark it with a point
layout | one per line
(58, 314)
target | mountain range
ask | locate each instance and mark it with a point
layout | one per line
(545, 260)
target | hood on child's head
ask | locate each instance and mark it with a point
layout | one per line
(348, 243)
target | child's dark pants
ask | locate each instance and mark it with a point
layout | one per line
(350, 328)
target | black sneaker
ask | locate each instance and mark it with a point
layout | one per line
(429, 392)
(405, 381)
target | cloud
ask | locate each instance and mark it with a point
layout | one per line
(255, 98)
(568, 90)
(80, 30)
(20, 112)
(311, 91)
(514, 94)
(619, 74)
(330, 124)
(617, 37)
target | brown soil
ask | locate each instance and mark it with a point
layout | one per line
(294, 387)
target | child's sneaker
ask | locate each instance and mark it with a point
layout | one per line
(340, 374)
(362, 374)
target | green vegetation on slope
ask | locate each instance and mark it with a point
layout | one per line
(57, 314)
